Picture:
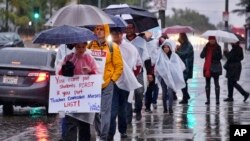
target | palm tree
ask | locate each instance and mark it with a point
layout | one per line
(243, 4)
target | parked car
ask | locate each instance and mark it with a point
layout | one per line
(10, 39)
(24, 77)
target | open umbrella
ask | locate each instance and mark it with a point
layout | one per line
(118, 22)
(79, 15)
(142, 19)
(64, 35)
(221, 36)
(177, 29)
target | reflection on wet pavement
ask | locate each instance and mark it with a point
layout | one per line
(194, 121)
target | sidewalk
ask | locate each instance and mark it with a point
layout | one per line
(195, 121)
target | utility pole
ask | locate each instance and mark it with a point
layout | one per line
(226, 22)
(99, 4)
(7, 16)
(161, 5)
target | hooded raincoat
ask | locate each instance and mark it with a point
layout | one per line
(170, 69)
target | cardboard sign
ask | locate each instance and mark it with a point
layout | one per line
(77, 94)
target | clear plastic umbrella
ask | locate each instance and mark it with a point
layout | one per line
(79, 15)
(221, 36)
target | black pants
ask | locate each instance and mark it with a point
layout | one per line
(149, 95)
(231, 84)
(185, 92)
(216, 82)
(74, 127)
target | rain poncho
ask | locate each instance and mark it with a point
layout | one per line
(82, 61)
(61, 53)
(153, 50)
(170, 69)
(141, 46)
(131, 59)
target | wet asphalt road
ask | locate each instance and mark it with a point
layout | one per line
(194, 121)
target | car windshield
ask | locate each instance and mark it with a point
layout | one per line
(29, 58)
(6, 36)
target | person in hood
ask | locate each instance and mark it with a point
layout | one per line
(112, 72)
(212, 67)
(233, 71)
(169, 68)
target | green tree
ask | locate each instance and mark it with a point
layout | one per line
(243, 4)
(190, 18)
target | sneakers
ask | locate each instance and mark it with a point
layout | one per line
(183, 102)
(148, 111)
(155, 106)
(229, 100)
(165, 111)
(124, 136)
(246, 97)
(138, 116)
(207, 103)
(170, 111)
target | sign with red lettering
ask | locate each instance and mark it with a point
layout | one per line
(77, 94)
(100, 58)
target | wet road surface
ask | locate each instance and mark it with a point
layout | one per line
(194, 121)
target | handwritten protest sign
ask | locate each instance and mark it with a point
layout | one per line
(78, 94)
(100, 58)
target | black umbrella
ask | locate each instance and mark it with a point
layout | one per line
(142, 19)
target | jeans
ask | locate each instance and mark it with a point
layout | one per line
(155, 94)
(119, 107)
(138, 99)
(167, 94)
(73, 129)
(102, 119)
(150, 96)
(231, 84)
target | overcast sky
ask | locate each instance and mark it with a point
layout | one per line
(211, 8)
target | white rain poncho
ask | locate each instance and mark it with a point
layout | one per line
(141, 46)
(153, 50)
(131, 59)
(170, 69)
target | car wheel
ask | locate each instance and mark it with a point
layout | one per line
(8, 109)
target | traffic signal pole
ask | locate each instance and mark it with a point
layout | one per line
(226, 24)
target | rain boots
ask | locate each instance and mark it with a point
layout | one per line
(208, 95)
(217, 95)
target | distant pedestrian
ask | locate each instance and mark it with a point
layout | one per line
(212, 67)
(233, 70)
(186, 53)
(169, 68)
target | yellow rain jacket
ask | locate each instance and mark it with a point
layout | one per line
(113, 67)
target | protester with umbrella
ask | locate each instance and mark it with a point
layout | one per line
(112, 72)
(212, 67)
(233, 71)
(186, 53)
(141, 46)
(74, 126)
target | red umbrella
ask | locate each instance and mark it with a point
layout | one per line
(177, 29)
